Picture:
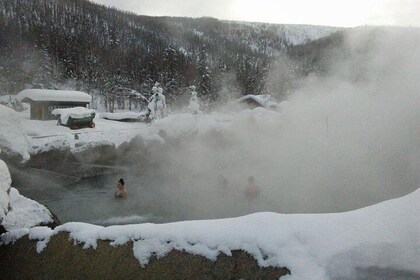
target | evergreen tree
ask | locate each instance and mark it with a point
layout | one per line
(204, 80)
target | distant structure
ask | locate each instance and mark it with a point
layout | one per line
(254, 101)
(44, 101)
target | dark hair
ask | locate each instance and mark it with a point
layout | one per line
(121, 181)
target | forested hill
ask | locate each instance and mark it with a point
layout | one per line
(86, 46)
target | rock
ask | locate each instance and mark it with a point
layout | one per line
(56, 221)
(136, 152)
(54, 160)
(12, 157)
(2, 230)
(21, 261)
(90, 153)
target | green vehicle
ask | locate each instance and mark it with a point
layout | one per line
(75, 121)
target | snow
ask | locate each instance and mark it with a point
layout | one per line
(312, 246)
(301, 34)
(13, 139)
(75, 113)
(157, 103)
(5, 181)
(123, 116)
(25, 212)
(194, 105)
(53, 95)
(21, 136)
(7, 99)
(295, 34)
(263, 100)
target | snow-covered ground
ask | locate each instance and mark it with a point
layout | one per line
(23, 136)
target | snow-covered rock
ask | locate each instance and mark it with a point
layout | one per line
(25, 213)
(5, 182)
(17, 211)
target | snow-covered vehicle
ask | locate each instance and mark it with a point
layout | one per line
(76, 117)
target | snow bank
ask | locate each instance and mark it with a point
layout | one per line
(13, 139)
(123, 116)
(5, 182)
(25, 213)
(75, 113)
(312, 246)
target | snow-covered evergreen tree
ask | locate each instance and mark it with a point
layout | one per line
(194, 105)
(205, 90)
(157, 103)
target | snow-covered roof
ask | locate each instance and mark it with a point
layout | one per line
(263, 100)
(29, 95)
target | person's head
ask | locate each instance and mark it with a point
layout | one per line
(121, 183)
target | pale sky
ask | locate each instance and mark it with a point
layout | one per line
(346, 13)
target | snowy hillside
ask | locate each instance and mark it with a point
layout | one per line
(300, 34)
(294, 34)
(93, 47)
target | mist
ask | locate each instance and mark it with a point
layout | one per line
(338, 143)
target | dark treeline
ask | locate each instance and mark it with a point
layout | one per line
(90, 47)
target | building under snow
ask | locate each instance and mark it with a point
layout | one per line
(44, 101)
(254, 101)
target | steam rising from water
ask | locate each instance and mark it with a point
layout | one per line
(340, 142)
(337, 144)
